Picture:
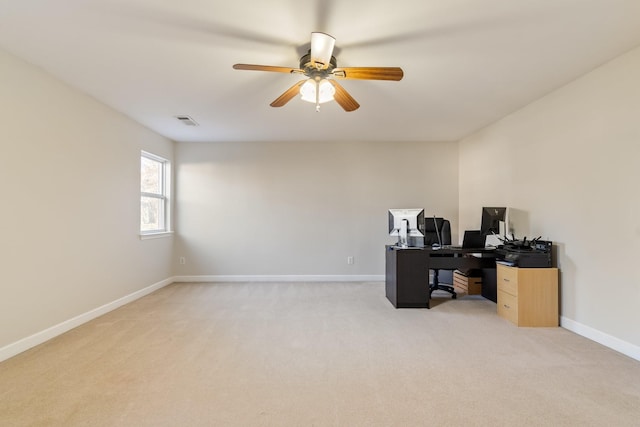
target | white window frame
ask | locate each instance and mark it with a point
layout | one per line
(163, 196)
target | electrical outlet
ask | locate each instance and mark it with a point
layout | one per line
(183, 260)
(349, 260)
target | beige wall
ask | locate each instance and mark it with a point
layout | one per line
(287, 208)
(570, 164)
(69, 182)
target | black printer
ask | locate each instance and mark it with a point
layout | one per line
(534, 253)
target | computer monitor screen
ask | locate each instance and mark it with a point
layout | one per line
(491, 219)
(406, 223)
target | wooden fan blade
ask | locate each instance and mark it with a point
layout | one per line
(343, 98)
(254, 67)
(369, 73)
(288, 95)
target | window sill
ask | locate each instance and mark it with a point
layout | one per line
(159, 235)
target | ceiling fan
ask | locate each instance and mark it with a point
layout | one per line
(320, 67)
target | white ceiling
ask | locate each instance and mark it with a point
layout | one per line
(467, 63)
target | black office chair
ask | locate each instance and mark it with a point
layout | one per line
(442, 279)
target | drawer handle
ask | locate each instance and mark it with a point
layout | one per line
(506, 280)
(506, 306)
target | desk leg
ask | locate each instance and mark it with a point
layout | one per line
(428, 283)
(407, 283)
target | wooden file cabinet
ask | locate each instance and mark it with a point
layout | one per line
(528, 296)
(467, 285)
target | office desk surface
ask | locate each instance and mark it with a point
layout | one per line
(407, 270)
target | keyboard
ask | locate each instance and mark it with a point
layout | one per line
(446, 247)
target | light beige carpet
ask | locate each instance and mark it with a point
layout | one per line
(314, 354)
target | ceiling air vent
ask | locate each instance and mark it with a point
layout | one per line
(188, 121)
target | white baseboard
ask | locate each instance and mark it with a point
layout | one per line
(24, 344)
(282, 278)
(607, 340)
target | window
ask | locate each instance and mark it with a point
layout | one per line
(154, 201)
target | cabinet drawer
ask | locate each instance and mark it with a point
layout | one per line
(467, 285)
(508, 279)
(508, 306)
(460, 288)
(460, 281)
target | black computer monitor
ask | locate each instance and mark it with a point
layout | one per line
(491, 219)
(406, 223)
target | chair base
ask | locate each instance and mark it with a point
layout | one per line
(443, 287)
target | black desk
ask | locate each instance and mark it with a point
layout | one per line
(407, 271)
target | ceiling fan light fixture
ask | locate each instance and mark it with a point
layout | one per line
(321, 49)
(317, 92)
(321, 70)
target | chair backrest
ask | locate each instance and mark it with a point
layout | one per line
(430, 235)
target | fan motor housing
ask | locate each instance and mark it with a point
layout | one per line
(311, 69)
